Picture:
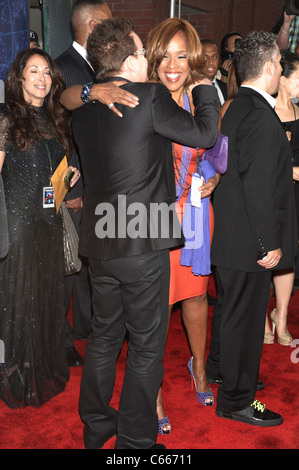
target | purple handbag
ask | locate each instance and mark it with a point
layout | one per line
(217, 155)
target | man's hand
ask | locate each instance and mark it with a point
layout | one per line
(106, 93)
(271, 260)
(296, 173)
(74, 204)
(110, 93)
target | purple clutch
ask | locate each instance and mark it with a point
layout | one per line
(217, 155)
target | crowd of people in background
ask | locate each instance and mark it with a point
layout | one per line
(135, 120)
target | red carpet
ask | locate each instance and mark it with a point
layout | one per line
(57, 424)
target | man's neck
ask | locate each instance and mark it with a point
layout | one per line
(257, 86)
(125, 76)
(260, 84)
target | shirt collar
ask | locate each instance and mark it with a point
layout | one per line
(81, 51)
(220, 94)
(269, 98)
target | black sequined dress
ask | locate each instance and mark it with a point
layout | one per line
(32, 315)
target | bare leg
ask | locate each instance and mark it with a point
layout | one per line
(268, 335)
(160, 410)
(283, 282)
(195, 317)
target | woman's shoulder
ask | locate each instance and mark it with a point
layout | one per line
(3, 120)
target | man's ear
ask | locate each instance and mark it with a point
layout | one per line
(269, 67)
(132, 64)
(91, 25)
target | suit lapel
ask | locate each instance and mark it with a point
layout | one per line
(81, 61)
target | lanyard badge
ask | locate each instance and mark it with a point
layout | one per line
(48, 197)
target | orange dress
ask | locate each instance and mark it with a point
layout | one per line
(183, 283)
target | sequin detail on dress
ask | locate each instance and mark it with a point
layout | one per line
(32, 313)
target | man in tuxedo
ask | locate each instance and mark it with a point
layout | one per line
(211, 57)
(255, 230)
(75, 69)
(128, 169)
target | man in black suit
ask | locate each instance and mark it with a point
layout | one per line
(129, 178)
(211, 57)
(75, 69)
(255, 229)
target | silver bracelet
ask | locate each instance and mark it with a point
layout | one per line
(283, 31)
(85, 93)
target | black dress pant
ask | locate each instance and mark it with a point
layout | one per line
(129, 295)
(237, 336)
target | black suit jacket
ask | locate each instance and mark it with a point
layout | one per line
(223, 88)
(75, 71)
(254, 202)
(74, 68)
(129, 160)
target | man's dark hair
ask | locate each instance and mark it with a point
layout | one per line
(80, 7)
(252, 52)
(208, 41)
(86, 3)
(108, 46)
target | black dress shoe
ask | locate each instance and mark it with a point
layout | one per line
(218, 381)
(73, 357)
(158, 446)
(256, 414)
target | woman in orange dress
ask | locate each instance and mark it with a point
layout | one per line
(183, 283)
(175, 59)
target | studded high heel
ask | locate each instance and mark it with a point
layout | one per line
(163, 424)
(205, 398)
(285, 339)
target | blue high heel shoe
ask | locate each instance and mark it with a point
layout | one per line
(205, 398)
(164, 422)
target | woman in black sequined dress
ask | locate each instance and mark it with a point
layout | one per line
(34, 137)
